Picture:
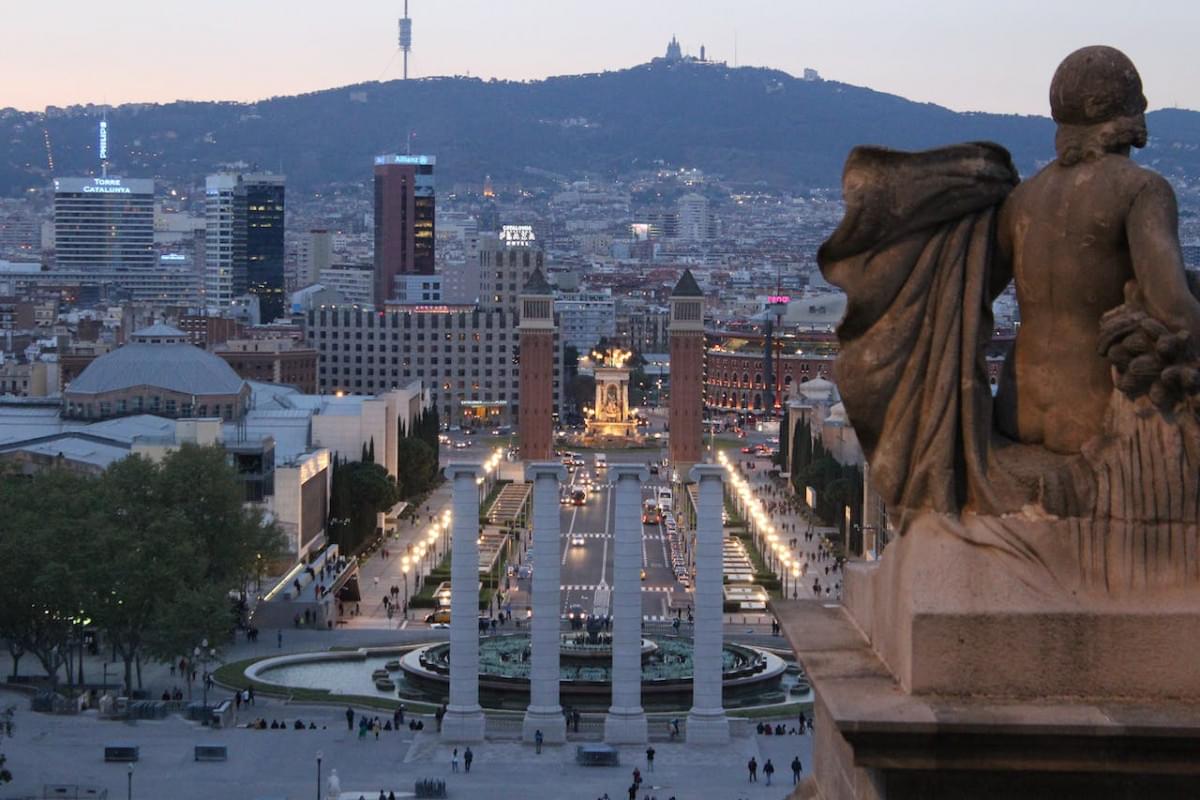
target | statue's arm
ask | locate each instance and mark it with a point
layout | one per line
(1152, 228)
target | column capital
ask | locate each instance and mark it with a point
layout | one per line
(463, 469)
(701, 471)
(541, 469)
(635, 471)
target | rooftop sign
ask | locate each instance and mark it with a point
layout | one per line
(104, 186)
(409, 160)
(517, 235)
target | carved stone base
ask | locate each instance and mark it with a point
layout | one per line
(550, 722)
(707, 727)
(625, 726)
(463, 725)
(873, 740)
(1020, 609)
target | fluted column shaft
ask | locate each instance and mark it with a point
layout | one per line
(544, 712)
(626, 721)
(707, 722)
(464, 718)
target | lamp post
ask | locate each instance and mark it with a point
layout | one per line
(319, 755)
(129, 790)
(203, 654)
(404, 573)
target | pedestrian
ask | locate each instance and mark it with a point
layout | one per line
(468, 757)
(454, 760)
(376, 727)
(633, 787)
(349, 719)
(537, 741)
(768, 770)
(752, 766)
(650, 759)
(250, 695)
(797, 768)
(279, 639)
(637, 777)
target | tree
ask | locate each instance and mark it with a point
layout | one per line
(417, 466)
(365, 490)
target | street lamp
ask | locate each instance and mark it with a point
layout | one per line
(203, 653)
(129, 792)
(404, 572)
(319, 756)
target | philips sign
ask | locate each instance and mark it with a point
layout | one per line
(778, 299)
(517, 235)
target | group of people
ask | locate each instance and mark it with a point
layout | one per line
(768, 770)
(779, 729)
(261, 725)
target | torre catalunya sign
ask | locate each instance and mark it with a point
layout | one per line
(103, 186)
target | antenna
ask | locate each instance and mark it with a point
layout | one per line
(735, 47)
(405, 37)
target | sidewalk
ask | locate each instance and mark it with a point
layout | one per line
(378, 574)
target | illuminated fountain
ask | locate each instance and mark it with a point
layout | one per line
(610, 421)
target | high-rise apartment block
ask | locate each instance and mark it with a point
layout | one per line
(225, 239)
(507, 260)
(404, 221)
(104, 224)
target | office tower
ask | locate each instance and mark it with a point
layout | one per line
(225, 239)
(695, 222)
(104, 224)
(404, 232)
(264, 241)
(316, 256)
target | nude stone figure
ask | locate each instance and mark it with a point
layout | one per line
(1072, 236)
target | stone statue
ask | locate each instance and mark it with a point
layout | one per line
(1086, 468)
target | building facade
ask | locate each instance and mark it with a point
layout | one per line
(466, 357)
(225, 239)
(404, 220)
(586, 317)
(506, 262)
(104, 224)
(272, 361)
(265, 196)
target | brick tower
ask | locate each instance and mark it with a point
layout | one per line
(687, 374)
(536, 412)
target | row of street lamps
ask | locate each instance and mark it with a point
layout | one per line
(766, 537)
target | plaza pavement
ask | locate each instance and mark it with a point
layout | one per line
(50, 749)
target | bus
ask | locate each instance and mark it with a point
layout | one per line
(601, 461)
(650, 513)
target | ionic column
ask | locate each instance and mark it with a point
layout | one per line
(707, 723)
(626, 721)
(464, 718)
(544, 712)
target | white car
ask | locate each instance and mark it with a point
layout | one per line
(577, 540)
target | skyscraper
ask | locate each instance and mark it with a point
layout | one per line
(404, 208)
(103, 224)
(264, 241)
(225, 239)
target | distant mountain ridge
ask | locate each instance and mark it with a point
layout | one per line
(750, 125)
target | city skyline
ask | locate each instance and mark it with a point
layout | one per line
(315, 49)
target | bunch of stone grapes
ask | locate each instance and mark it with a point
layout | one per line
(1151, 360)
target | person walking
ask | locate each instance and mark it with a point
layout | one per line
(768, 770)
(279, 640)
(454, 761)
(633, 787)
(349, 719)
(537, 740)
(468, 757)
(650, 759)
(797, 768)
(250, 695)
(752, 766)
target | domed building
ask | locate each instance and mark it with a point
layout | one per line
(158, 373)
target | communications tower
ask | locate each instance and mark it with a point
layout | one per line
(405, 37)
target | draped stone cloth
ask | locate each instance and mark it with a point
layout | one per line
(914, 256)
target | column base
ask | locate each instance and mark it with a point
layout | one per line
(463, 724)
(549, 721)
(625, 726)
(707, 727)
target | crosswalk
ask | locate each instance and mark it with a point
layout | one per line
(589, 535)
(591, 587)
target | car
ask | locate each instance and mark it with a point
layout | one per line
(495, 431)
(747, 449)
(578, 497)
(654, 469)
(565, 498)
(577, 540)
(439, 617)
(462, 445)
(643, 573)
(576, 616)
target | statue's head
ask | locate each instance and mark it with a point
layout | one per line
(1096, 99)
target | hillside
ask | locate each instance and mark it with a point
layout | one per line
(747, 124)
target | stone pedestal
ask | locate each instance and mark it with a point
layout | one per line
(544, 712)
(962, 666)
(464, 720)
(626, 721)
(707, 723)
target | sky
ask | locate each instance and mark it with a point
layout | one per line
(969, 55)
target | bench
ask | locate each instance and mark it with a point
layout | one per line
(123, 752)
(211, 752)
(597, 755)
